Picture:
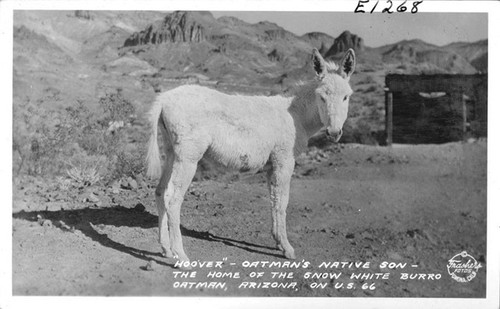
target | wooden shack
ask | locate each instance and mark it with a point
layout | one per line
(435, 108)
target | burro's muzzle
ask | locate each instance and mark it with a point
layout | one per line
(333, 134)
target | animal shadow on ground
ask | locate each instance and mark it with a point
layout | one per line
(86, 219)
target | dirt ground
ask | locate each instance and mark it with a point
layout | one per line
(414, 206)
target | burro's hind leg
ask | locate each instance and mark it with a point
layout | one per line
(279, 188)
(182, 175)
(163, 197)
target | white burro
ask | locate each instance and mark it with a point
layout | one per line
(245, 133)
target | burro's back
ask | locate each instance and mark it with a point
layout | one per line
(242, 132)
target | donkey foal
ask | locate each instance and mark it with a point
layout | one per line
(242, 132)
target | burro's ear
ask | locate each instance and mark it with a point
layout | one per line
(348, 63)
(318, 63)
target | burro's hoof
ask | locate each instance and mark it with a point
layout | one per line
(167, 253)
(290, 255)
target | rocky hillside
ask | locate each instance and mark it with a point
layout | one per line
(72, 52)
(423, 57)
(224, 49)
(475, 53)
(195, 44)
(64, 57)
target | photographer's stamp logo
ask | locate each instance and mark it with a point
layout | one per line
(463, 267)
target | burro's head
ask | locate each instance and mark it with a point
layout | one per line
(333, 91)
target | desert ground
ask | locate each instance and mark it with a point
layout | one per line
(412, 205)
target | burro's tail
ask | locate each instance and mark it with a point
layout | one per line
(153, 157)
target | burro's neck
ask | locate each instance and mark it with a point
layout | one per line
(304, 111)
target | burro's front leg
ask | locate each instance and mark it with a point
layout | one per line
(279, 188)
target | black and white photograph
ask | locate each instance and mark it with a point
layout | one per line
(251, 153)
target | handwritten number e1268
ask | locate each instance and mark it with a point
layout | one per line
(387, 9)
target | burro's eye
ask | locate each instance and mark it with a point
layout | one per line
(323, 99)
(346, 97)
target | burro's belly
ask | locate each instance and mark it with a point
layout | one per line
(241, 150)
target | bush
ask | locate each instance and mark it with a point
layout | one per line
(116, 107)
(76, 141)
(371, 88)
(360, 132)
(87, 170)
(129, 163)
(368, 79)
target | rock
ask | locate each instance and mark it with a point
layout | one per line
(345, 41)
(92, 198)
(61, 224)
(177, 27)
(140, 181)
(150, 266)
(47, 223)
(83, 14)
(114, 187)
(311, 171)
(124, 185)
(275, 56)
(350, 236)
(129, 184)
(132, 183)
(139, 207)
(39, 219)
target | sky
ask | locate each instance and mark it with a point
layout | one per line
(379, 29)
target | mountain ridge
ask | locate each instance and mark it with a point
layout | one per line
(264, 44)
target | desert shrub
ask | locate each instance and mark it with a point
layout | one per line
(371, 88)
(116, 107)
(368, 68)
(359, 131)
(87, 169)
(76, 142)
(129, 162)
(370, 103)
(368, 79)
(38, 136)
